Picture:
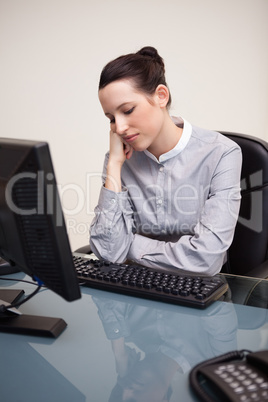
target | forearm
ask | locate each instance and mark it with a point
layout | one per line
(111, 229)
(202, 251)
(113, 177)
(182, 255)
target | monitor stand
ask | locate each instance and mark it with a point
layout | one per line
(25, 324)
(6, 268)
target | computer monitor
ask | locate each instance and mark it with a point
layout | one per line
(33, 236)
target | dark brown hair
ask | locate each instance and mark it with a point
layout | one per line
(145, 68)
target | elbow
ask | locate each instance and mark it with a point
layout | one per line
(215, 267)
(108, 250)
(94, 248)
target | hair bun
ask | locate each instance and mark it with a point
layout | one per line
(149, 51)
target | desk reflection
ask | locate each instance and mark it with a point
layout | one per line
(151, 344)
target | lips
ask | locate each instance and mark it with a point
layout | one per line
(131, 138)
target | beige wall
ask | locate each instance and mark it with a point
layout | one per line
(52, 51)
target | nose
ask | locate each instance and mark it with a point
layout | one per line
(121, 126)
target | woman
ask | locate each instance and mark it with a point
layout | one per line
(171, 192)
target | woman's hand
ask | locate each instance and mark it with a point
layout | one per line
(119, 152)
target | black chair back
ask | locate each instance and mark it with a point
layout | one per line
(249, 248)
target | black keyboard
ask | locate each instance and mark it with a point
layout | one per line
(135, 280)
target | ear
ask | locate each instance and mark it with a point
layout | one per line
(162, 95)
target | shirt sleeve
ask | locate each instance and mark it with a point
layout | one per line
(204, 251)
(111, 229)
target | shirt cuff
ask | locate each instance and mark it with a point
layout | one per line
(115, 330)
(109, 199)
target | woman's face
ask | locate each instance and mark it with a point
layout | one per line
(136, 117)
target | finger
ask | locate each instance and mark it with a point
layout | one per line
(127, 148)
(129, 152)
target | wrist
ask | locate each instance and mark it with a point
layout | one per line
(114, 164)
(113, 177)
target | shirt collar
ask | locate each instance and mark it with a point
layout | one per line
(183, 141)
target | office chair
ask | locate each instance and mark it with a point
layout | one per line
(248, 254)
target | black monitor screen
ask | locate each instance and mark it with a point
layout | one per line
(33, 235)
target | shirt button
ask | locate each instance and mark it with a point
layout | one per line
(159, 202)
(116, 330)
(113, 201)
(161, 169)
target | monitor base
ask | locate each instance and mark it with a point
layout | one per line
(6, 268)
(25, 324)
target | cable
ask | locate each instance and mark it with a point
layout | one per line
(4, 308)
(18, 280)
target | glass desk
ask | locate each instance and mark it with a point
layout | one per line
(122, 348)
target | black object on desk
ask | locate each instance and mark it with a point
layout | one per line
(161, 285)
(26, 324)
(234, 376)
(6, 268)
(32, 325)
(33, 237)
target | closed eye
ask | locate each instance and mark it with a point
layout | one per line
(129, 111)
